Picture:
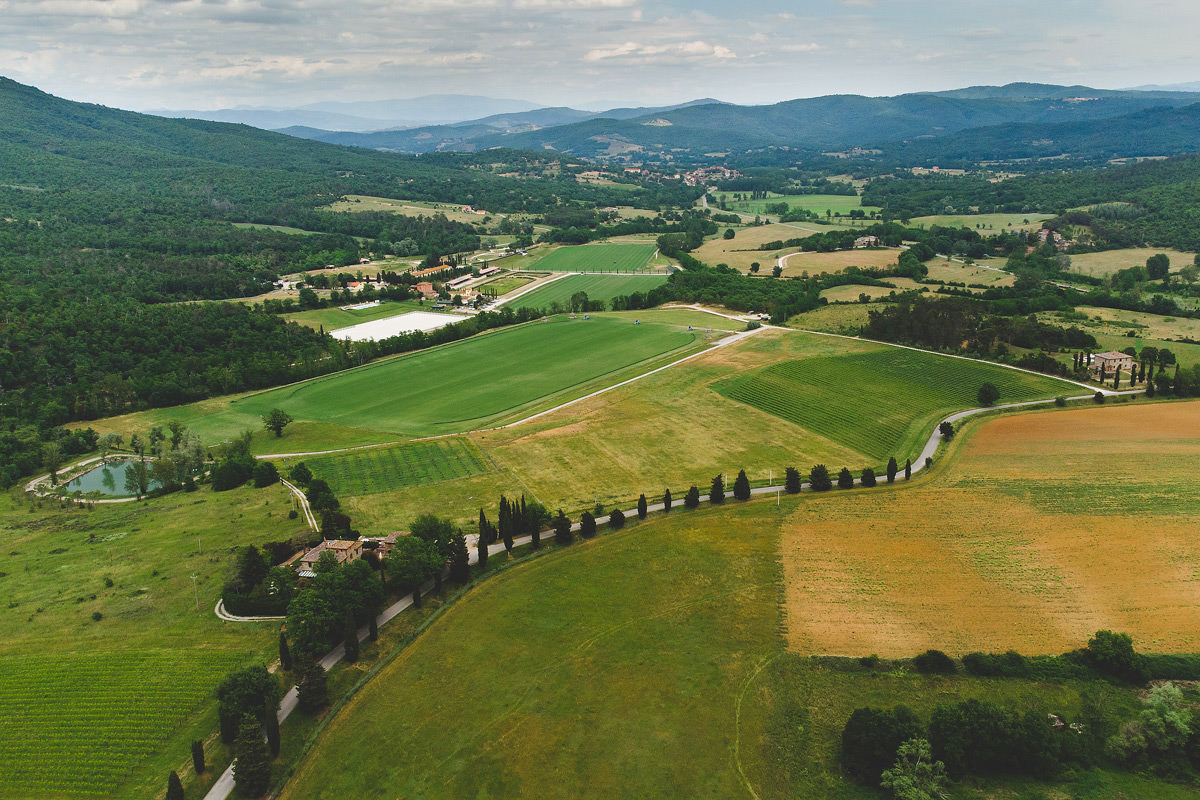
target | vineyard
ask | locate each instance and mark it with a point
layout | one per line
(79, 724)
(882, 402)
(387, 469)
(597, 258)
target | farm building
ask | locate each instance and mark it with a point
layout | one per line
(483, 273)
(344, 550)
(459, 282)
(1110, 362)
(866, 241)
(425, 273)
(382, 545)
(425, 289)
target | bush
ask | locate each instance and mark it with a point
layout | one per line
(1060, 401)
(1113, 654)
(871, 738)
(230, 475)
(934, 662)
(741, 486)
(300, 474)
(946, 429)
(616, 520)
(988, 394)
(1098, 396)
(1008, 665)
(265, 474)
(818, 477)
(845, 479)
(868, 477)
(692, 498)
(587, 525)
(791, 481)
(716, 492)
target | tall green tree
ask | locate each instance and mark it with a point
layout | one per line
(716, 492)
(845, 479)
(692, 498)
(350, 638)
(460, 559)
(907, 468)
(642, 506)
(666, 501)
(818, 478)
(891, 470)
(312, 689)
(562, 527)
(915, 775)
(174, 786)
(587, 525)
(252, 760)
(741, 486)
(285, 654)
(616, 519)
(198, 756)
(868, 477)
(791, 480)
(271, 727)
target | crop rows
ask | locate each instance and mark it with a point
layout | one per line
(390, 468)
(877, 402)
(78, 724)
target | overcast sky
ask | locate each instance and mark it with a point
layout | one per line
(204, 54)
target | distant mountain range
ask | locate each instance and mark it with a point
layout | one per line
(704, 129)
(371, 115)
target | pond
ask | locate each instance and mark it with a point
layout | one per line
(106, 479)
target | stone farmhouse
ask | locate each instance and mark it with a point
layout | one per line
(1108, 363)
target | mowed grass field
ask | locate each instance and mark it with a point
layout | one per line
(406, 208)
(1107, 262)
(816, 263)
(984, 222)
(485, 380)
(597, 258)
(105, 708)
(597, 287)
(851, 293)
(880, 403)
(384, 469)
(1038, 530)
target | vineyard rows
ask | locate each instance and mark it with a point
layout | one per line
(78, 724)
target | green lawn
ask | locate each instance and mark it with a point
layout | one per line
(385, 469)
(104, 708)
(880, 403)
(334, 318)
(478, 382)
(597, 258)
(597, 287)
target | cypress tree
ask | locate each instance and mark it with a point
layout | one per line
(252, 767)
(485, 529)
(562, 528)
(372, 628)
(692, 498)
(535, 538)
(907, 468)
(350, 638)
(174, 786)
(198, 757)
(642, 506)
(285, 653)
(891, 470)
(716, 493)
(845, 479)
(481, 551)
(587, 524)
(1117, 378)
(271, 720)
(616, 520)
(667, 501)
(818, 478)
(791, 480)
(504, 521)
(525, 527)
(741, 486)
(868, 477)
(311, 689)
(1150, 389)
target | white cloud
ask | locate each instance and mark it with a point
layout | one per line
(644, 52)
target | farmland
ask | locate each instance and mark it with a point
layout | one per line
(597, 287)
(383, 469)
(476, 382)
(816, 263)
(820, 203)
(105, 706)
(739, 252)
(407, 208)
(597, 258)
(1109, 261)
(843, 319)
(663, 640)
(334, 318)
(985, 223)
(851, 292)
(1038, 530)
(900, 394)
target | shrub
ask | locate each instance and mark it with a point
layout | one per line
(946, 429)
(818, 477)
(692, 498)
(265, 474)
(1098, 396)
(300, 474)
(741, 486)
(988, 394)
(871, 738)
(1060, 401)
(934, 662)
(1113, 654)
(868, 477)
(716, 492)
(642, 507)
(791, 481)
(845, 479)
(587, 525)
(616, 520)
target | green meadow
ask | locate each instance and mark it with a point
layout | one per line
(597, 287)
(597, 258)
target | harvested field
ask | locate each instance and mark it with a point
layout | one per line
(816, 263)
(1110, 261)
(1044, 528)
(852, 292)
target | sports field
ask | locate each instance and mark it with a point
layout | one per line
(597, 287)
(597, 258)
(1039, 529)
(881, 403)
(478, 382)
(104, 706)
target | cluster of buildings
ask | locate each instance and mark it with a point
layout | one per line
(345, 551)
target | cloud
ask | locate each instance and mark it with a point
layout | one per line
(649, 52)
(799, 47)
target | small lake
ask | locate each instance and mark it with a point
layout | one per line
(107, 479)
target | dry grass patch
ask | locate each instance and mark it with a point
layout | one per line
(852, 292)
(816, 263)
(1110, 261)
(957, 272)
(1043, 529)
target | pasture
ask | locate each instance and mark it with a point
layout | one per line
(986, 224)
(387, 469)
(1038, 530)
(958, 272)
(844, 319)
(1105, 263)
(407, 208)
(486, 380)
(819, 203)
(105, 707)
(739, 251)
(597, 287)
(851, 293)
(896, 397)
(597, 258)
(815, 263)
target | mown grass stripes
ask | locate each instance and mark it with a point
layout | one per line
(386, 469)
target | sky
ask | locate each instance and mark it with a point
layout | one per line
(208, 54)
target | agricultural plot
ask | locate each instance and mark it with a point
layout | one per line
(819, 203)
(957, 272)
(1107, 262)
(986, 224)
(385, 469)
(852, 293)
(478, 382)
(597, 287)
(77, 724)
(880, 403)
(816, 263)
(406, 208)
(597, 258)
(843, 319)
(1041, 529)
